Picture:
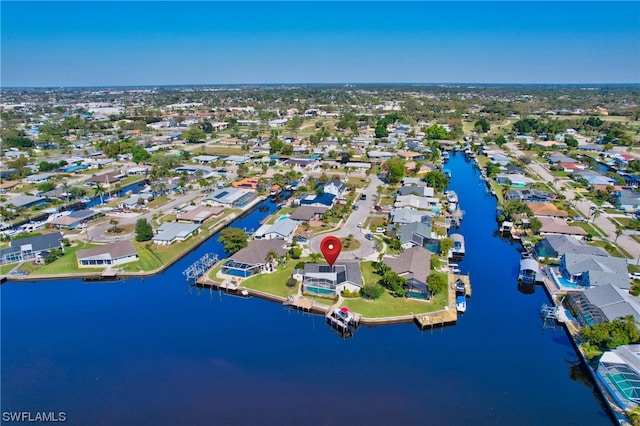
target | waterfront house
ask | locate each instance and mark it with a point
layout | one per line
(107, 255)
(74, 219)
(554, 246)
(558, 226)
(408, 215)
(546, 210)
(589, 270)
(199, 215)
(328, 280)
(307, 213)
(24, 201)
(135, 201)
(105, 178)
(499, 159)
(246, 183)
(229, 197)
(170, 232)
(600, 304)
(415, 201)
(320, 200)
(281, 229)
(619, 371)
(514, 179)
(413, 265)
(31, 248)
(253, 258)
(415, 234)
(421, 191)
(335, 187)
(530, 195)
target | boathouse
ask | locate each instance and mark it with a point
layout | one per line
(529, 271)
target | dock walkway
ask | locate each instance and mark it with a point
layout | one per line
(448, 315)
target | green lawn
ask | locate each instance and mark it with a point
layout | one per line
(388, 305)
(148, 261)
(4, 269)
(67, 263)
(613, 250)
(350, 245)
(274, 283)
(158, 201)
(590, 228)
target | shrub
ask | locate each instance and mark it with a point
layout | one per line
(372, 291)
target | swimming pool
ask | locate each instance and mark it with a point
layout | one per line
(319, 291)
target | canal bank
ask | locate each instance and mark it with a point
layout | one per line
(150, 351)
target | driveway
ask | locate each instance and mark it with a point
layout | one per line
(350, 227)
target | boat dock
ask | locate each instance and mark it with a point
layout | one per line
(465, 279)
(299, 302)
(345, 324)
(448, 315)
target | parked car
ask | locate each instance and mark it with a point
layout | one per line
(379, 229)
(369, 237)
(359, 224)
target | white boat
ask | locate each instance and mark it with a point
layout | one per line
(461, 303)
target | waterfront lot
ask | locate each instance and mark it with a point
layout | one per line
(388, 305)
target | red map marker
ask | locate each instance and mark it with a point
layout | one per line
(330, 247)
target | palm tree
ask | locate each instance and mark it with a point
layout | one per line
(619, 231)
(596, 214)
(98, 191)
(67, 190)
(270, 258)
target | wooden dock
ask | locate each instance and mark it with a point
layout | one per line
(299, 302)
(465, 279)
(448, 315)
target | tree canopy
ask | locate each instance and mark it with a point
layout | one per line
(233, 239)
(144, 232)
(436, 180)
(395, 167)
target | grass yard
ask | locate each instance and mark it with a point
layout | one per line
(147, 259)
(67, 263)
(158, 201)
(390, 306)
(613, 250)
(590, 228)
(274, 283)
(4, 269)
(350, 244)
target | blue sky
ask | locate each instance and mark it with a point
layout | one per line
(153, 43)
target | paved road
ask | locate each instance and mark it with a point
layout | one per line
(582, 205)
(350, 227)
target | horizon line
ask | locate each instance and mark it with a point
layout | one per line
(589, 84)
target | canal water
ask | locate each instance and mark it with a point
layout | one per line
(154, 351)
